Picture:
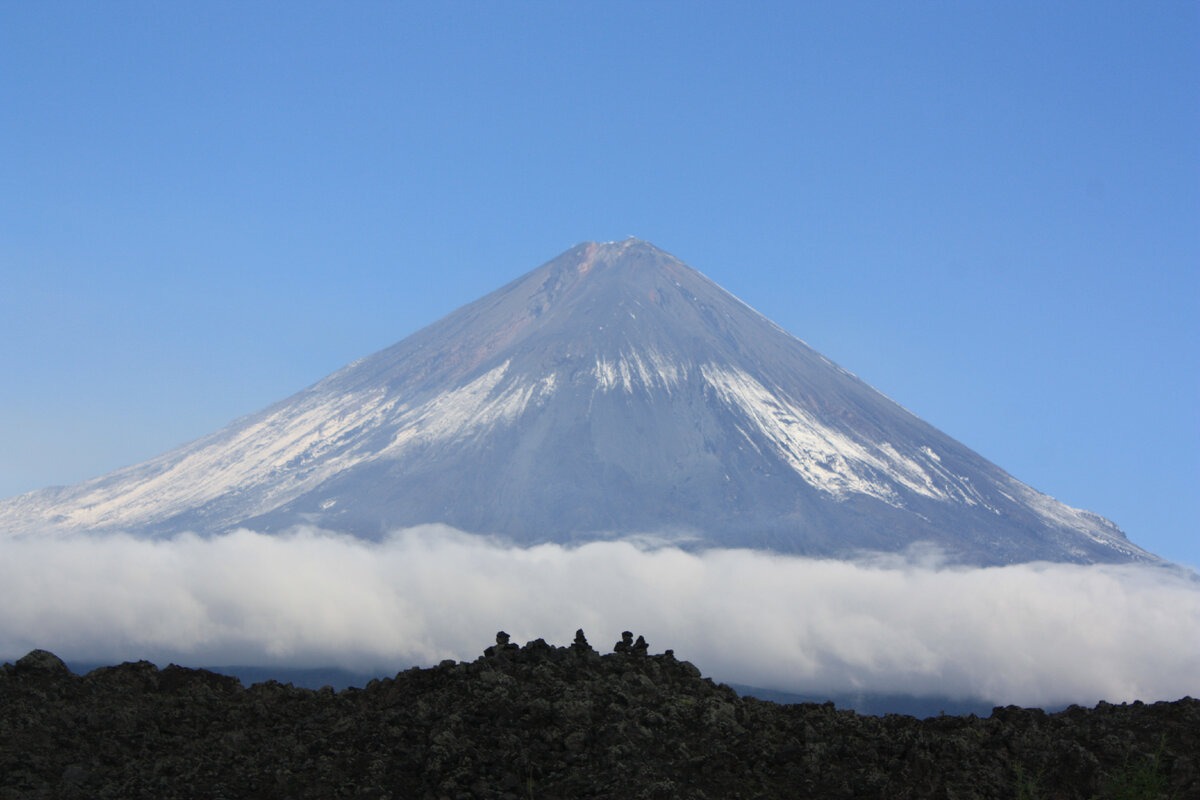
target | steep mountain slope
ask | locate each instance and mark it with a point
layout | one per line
(611, 391)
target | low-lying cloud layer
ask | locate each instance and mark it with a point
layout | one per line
(1035, 634)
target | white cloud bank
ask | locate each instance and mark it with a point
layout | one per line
(1034, 634)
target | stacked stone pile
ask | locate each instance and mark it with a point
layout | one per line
(551, 722)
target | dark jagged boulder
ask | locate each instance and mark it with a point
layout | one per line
(41, 661)
(551, 722)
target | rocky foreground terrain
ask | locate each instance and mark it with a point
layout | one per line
(552, 722)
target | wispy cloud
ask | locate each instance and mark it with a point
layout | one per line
(1032, 634)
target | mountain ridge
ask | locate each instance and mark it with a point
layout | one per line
(609, 391)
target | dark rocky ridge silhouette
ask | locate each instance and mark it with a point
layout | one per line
(551, 722)
(611, 391)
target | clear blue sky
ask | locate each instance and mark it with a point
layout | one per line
(989, 211)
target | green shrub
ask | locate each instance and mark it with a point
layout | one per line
(1140, 781)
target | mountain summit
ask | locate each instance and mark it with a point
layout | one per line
(612, 391)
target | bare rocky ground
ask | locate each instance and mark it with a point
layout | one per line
(552, 722)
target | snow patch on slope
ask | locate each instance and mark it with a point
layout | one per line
(646, 369)
(829, 459)
(282, 452)
(475, 407)
(274, 457)
(1059, 514)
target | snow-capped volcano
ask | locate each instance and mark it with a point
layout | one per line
(611, 391)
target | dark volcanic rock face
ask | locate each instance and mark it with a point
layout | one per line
(545, 722)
